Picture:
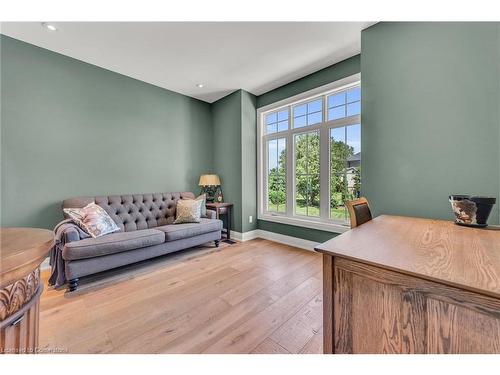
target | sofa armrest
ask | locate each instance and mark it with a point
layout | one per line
(211, 214)
(67, 231)
(71, 234)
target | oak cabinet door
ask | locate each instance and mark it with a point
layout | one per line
(380, 311)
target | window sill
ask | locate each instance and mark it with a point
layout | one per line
(312, 224)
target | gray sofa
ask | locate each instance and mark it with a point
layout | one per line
(146, 231)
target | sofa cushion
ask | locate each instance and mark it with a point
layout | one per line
(112, 243)
(179, 231)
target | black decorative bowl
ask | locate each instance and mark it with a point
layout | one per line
(471, 211)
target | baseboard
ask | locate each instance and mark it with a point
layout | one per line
(247, 236)
(276, 237)
(288, 240)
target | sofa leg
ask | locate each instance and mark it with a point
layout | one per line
(73, 284)
(217, 243)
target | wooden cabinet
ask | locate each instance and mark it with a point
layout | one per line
(434, 289)
(380, 311)
(22, 250)
(19, 333)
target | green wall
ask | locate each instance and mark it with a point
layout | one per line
(235, 153)
(322, 77)
(248, 161)
(226, 117)
(69, 128)
(295, 231)
(430, 115)
(431, 127)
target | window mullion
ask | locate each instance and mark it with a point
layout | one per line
(346, 121)
(324, 167)
(307, 176)
(277, 170)
(290, 175)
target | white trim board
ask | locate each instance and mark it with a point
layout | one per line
(276, 237)
(247, 236)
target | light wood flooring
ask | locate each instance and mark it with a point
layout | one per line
(251, 297)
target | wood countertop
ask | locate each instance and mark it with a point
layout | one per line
(21, 251)
(437, 250)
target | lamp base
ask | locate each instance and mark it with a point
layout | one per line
(210, 192)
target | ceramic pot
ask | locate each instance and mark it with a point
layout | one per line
(471, 211)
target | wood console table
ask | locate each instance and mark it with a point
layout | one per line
(407, 285)
(21, 252)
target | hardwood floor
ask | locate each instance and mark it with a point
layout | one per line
(251, 297)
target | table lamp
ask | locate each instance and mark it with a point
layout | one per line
(209, 183)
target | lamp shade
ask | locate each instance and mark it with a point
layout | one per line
(209, 180)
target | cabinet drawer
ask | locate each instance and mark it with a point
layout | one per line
(222, 210)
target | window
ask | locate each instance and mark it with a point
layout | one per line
(344, 104)
(308, 113)
(277, 122)
(345, 168)
(276, 175)
(310, 156)
(307, 174)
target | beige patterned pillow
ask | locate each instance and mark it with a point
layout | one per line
(93, 219)
(188, 211)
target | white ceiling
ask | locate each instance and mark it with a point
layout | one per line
(224, 56)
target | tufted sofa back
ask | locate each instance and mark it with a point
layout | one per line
(135, 211)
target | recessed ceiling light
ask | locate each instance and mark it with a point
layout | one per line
(49, 26)
(200, 85)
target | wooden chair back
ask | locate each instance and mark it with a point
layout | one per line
(359, 211)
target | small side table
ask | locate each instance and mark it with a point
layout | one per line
(223, 209)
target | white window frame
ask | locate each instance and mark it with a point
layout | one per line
(323, 222)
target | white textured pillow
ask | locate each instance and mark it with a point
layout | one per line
(188, 211)
(93, 219)
(203, 198)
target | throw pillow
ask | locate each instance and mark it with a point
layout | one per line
(93, 219)
(203, 198)
(188, 211)
(75, 214)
